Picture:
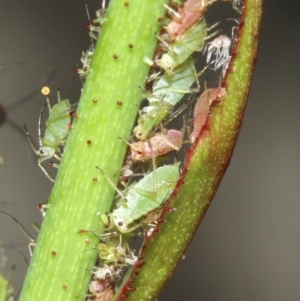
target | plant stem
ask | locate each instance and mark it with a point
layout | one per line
(63, 259)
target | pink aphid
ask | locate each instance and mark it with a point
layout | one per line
(187, 15)
(202, 108)
(158, 145)
(99, 286)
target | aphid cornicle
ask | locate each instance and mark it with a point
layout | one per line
(56, 133)
(202, 109)
(144, 196)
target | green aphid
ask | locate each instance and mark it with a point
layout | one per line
(145, 196)
(166, 93)
(56, 133)
(193, 39)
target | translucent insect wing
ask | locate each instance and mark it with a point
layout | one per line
(59, 120)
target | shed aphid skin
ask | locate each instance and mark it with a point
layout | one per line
(188, 14)
(180, 50)
(202, 108)
(56, 133)
(167, 91)
(220, 48)
(140, 198)
(32, 241)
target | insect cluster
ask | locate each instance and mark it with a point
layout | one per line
(147, 178)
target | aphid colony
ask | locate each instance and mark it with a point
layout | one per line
(139, 203)
(173, 75)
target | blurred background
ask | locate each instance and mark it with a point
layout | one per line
(248, 246)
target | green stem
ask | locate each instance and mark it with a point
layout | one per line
(63, 258)
(204, 168)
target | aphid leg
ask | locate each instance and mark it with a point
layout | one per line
(32, 241)
(36, 151)
(111, 183)
(39, 162)
(172, 12)
(154, 172)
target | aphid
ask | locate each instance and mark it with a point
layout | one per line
(188, 14)
(193, 39)
(144, 196)
(202, 108)
(157, 145)
(32, 241)
(86, 59)
(101, 289)
(219, 47)
(116, 254)
(56, 133)
(94, 26)
(167, 91)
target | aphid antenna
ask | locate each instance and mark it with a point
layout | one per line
(34, 92)
(111, 183)
(32, 241)
(24, 258)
